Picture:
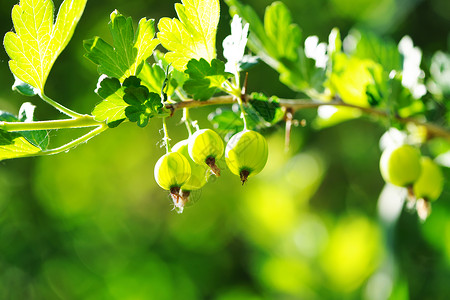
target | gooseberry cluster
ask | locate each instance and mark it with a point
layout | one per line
(189, 164)
(405, 167)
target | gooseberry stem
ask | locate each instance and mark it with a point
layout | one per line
(187, 120)
(243, 113)
(166, 136)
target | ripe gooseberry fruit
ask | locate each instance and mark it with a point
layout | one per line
(400, 165)
(199, 173)
(430, 183)
(171, 171)
(246, 154)
(205, 148)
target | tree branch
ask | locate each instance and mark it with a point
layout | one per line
(299, 104)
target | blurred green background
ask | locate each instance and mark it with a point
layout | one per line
(93, 224)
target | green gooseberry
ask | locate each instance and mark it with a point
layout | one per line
(171, 171)
(199, 173)
(205, 148)
(430, 184)
(246, 154)
(400, 165)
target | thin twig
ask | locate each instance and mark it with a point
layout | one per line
(299, 104)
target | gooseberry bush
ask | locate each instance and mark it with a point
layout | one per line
(157, 68)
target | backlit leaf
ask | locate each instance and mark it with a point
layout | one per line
(39, 138)
(204, 78)
(130, 50)
(193, 34)
(153, 77)
(112, 108)
(13, 144)
(37, 42)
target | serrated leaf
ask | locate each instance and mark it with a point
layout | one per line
(204, 78)
(131, 100)
(283, 37)
(6, 137)
(179, 77)
(268, 108)
(143, 104)
(39, 138)
(13, 144)
(38, 41)
(228, 121)
(23, 88)
(112, 108)
(193, 34)
(149, 107)
(130, 50)
(351, 77)
(19, 147)
(277, 42)
(153, 77)
(401, 100)
(135, 93)
(382, 51)
(277, 37)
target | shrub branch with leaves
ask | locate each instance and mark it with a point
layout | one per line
(364, 75)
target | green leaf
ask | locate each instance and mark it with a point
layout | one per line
(23, 88)
(193, 34)
(38, 41)
(204, 78)
(153, 77)
(401, 101)
(277, 39)
(283, 38)
(39, 138)
(278, 43)
(130, 50)
(382, 51)
(13, 144)
(143, 104)
(134, 93)
(268, 108)
(177, 76)
(328, 116)
(131, 101)
(351, 77)
(112, 108)
(149, 108)
(6, 137)
(228, 121)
